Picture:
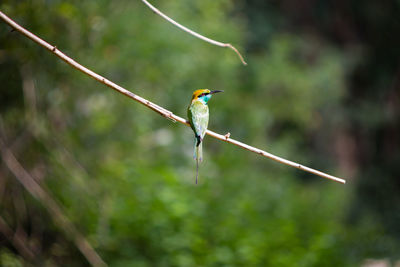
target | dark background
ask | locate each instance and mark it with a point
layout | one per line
(321, 88)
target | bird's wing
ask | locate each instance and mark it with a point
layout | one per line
(199, 113)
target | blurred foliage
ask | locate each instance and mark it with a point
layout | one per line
(311, 93)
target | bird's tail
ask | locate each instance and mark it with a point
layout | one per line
(198, 149)
(197, 169)
(198, 154)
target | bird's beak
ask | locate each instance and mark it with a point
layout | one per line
(216, 91)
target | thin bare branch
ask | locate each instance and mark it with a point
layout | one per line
(51, 205)
(180, 26)
(166, 113)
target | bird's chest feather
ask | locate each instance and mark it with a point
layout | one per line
(198, 116)
(198, 109)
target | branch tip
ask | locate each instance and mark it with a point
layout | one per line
(195, 34)
(237, 53)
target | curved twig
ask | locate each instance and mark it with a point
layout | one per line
(166, 113)
(206, 39)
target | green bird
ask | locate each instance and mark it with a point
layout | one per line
(198, 118)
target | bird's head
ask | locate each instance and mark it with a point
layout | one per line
(204, 95)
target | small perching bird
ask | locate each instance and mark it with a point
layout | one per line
(198, 118)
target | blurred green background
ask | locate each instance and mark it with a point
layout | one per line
(321, 88)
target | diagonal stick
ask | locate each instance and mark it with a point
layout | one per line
(208, 40)
(51, 205)
(162, 111)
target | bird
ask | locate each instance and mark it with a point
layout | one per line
(198, 117)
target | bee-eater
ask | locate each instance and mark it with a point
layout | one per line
(198, 118)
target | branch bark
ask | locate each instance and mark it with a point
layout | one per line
(195, 34)
(162, 111)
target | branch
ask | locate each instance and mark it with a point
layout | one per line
(208, 40)
(163, 112)
(51, 205)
